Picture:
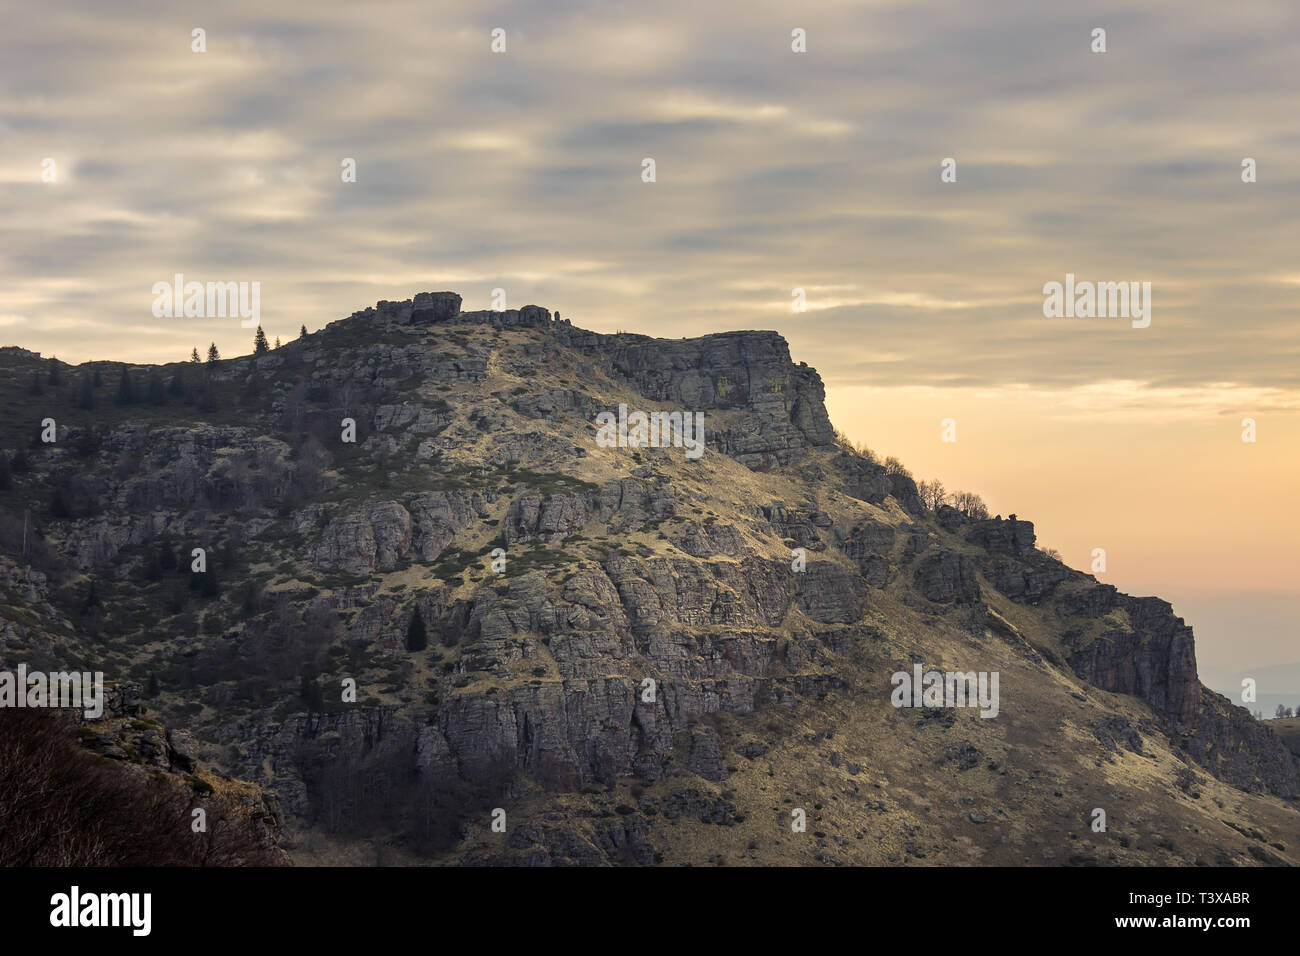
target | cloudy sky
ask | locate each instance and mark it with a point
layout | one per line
(775, 170)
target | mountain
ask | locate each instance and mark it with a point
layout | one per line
(619, 654)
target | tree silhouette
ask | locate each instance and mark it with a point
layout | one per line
(152, 569)
(932, 493)
(88, 443)
(417, 637)
(208, 586)
(125, 388)
(310, 690)
(92, 599)
(971, 504)
(213, 354)
(59, 507)
(259, 342)
(194, 356)
(166, 555)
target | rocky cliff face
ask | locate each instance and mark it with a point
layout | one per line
(476, 604)
(779, 407)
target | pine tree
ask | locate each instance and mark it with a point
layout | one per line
(310, 691)
(208, 587)
(166, 555)
(194, 356)
(303, 333)
(213, 354)
(92, 599)
(277, 342)
(227, 557)
(417, 638)
(59, 505)
(259, 342)
(88, 443)
(152, 569)
(125, 388)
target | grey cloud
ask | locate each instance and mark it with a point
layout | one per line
(471, 165)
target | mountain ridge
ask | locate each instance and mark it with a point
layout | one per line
(475, 433)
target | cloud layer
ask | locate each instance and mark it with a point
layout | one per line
(775, 171)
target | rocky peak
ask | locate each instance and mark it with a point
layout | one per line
(770, 408)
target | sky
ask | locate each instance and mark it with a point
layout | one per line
(775, 170)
